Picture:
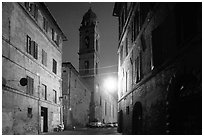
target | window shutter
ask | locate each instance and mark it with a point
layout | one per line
(58, 40)
(55, 37)
(32, 9)
(27, 5)
(36, 12)
(28, 43)
(45, 58)
(53, 34)
(36, 50)
(27, 88)
(31, 86)
(32, 48)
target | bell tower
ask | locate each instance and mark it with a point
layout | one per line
(89, 55)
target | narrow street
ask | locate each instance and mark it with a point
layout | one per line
(88, 131)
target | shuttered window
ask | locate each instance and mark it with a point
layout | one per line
(54, 96)
(45, 24)
(28, 44)
(35, 53)
(44, 92)
(44, 57)
(32, 47)
(32, 8)
(54, 67)
(138, 68)
(30, 86)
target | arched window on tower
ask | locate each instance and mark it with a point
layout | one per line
(86, 64)
(96, 68)
(87, 41)
(96, 45)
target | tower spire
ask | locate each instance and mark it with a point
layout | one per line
(89, 5)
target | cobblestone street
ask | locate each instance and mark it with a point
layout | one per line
(88, 131)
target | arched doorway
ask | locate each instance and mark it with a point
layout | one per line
(137, 119)
(185, 106)
(120, 121)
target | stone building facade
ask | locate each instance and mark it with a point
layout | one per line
(89, 62)
(31, 69)
(160, 67)
(76, 98)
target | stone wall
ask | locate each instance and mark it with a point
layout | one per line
(76, 107)
(17, 64)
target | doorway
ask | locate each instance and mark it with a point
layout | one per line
(120, 121)
(44, 119)
(137, 119)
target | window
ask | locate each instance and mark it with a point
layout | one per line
(53, 34)
(54, 96)
(32, 8)
(28, 44)
(65, 97)
(54, 66)
(44, 57)
(122, 21)
(96, 45)
(100, 101)
(35, 12)
(32, 47)
(126, 80)
(126, 46)
(75, 83)
(35, 52)
(55, 37)
(86, 64)
(58, 40)
(44, 92)
(96, 68)
(138, 68)
(45, 24)
(87, 41)
(29, 114)
(105, 108)
(113, 111)
(127, 110)
(28, 6)
(132, 31)
(136, 26)
(30, 86)
(110, 110)
(85, 92)
(121, 54)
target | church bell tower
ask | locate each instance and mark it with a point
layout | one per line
(89, 55)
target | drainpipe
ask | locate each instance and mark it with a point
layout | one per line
(69, 88)
(38, 103)
(69, 109)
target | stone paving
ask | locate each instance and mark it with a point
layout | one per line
(87, 131)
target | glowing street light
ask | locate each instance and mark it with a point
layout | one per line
(110, 84)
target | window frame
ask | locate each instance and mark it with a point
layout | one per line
(45, 92)
(54, 66)
(44, 57)
(54, 96)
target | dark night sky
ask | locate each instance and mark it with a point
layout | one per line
(69, 16)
